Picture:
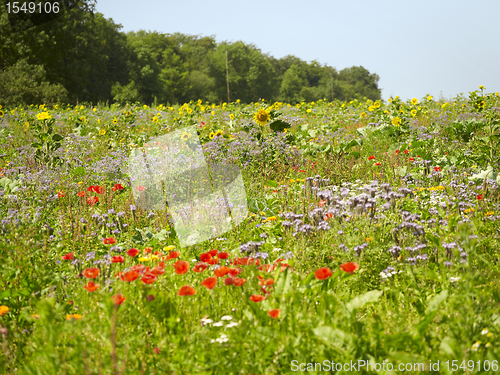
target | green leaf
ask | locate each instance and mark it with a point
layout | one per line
(79, 171)
(57, 137)
(361, 300)
(436, 301)
(279, 125)
(271, 183)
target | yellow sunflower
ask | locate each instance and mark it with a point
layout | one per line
(185, 136)
(43, 116)
(396, 121)
(212, 135)
(261, 117)
(219, 132)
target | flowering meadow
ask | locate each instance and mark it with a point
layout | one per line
(372, 235)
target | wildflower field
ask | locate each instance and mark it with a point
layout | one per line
(370, 238)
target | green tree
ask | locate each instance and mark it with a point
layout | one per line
(23, 83)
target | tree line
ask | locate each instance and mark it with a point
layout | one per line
(82, 56)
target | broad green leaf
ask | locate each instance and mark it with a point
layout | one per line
(361, 300)
(279, 125)
(436, 301)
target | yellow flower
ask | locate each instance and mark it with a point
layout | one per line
(94, 109)
(56, 107)
(73, 316)
(144, 106)
(444, 105)
(363, 114)
(212, 135)
(155, 119)
(168, 248)
(413, 112)
(371, 108)
(298, 105)
(212, 113)
(389, 100)
(98, 120)
(219, 132)
(396, 121)
(231, 116)
(43, 116)
(83, 119)
(189, 110)
(1, 113)
(102, 132)
(3, 310)
(414, 101)
(308, 110)
(261, 117)
(115, 120)
(376, 105)
(429, 98)
(185, 136)
(481, 87)
(237, 100)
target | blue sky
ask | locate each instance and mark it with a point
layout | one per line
(427, 47)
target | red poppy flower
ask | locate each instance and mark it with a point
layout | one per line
(213, 252)
(117, 299)
(96, 189)
(147, 250)
(213, 261)
(256, 298)
(91, 287)
(223, 255)
(229, 281)
(91, 273)
(371, 157)
(378, 163)
(205, 257)
(266, 282)
(92, 200)
(117, 187)
(437, 169)
(397, 152)
(266, 268)
(239, 281)
(200, 267)
(235, 271)
(139, 268)
(221, 271)
(412, 158)
(130, 276)
(118, 259)
(274, 313)
(133, 252)
(156, 350)
(181, 267)
(186, 290)
(480, 196)
(140, 188)
(209, 282)
(61, 194)
(173, 254)
(157, 270)
(68, 256)
(253, 261)
(81, 194)
(149, 278)
(349, 267)
(109, 241)
(406, 151)
(323, 273)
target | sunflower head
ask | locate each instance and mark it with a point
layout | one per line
(185, 136)
(262, 116)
